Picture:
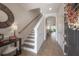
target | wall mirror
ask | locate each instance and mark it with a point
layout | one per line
(6, 16)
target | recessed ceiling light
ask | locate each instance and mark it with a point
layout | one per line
(50, 9)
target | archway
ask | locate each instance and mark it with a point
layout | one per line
(51, 26)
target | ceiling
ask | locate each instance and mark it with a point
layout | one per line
(43, 6)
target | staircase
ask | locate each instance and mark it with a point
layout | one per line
(29, 43)
(31, 40)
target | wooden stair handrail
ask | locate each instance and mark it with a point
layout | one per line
(29, 24)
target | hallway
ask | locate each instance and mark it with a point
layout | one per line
(49, 48)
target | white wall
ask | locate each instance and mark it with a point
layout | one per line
(39, 32)
(60, 27)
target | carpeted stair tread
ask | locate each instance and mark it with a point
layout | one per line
(29, 41)
(28, 46)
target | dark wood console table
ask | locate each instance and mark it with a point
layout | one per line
(9, 41)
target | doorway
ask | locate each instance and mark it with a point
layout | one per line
(51, 26)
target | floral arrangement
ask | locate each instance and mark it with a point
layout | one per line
(72, 15)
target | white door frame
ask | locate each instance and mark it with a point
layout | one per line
(46, 16)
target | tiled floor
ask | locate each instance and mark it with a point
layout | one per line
(49, 48)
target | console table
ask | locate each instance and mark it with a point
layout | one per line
(9, 41)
